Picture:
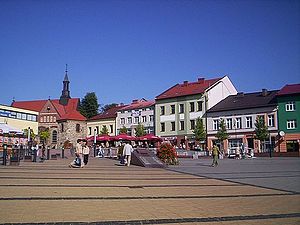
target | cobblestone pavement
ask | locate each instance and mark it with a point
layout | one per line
(105, 193)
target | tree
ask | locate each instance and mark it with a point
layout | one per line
(44, 135)
(199, 131)
(140, 130)
(32, 134)
(123, 130)
(222, 133)
(89, 105)
(104, 130)
(261, 130)
(108, 106)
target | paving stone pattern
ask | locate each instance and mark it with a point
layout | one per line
(105, 193)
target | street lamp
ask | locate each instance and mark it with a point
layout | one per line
(95, 140)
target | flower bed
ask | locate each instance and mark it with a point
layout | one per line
(167, 154)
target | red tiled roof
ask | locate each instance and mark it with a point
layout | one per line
(187, 88)
(67, 112)
(36, 105)
(289, 89)
(110, 113)
(139, 104)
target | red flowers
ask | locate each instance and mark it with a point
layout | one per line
(167, 154)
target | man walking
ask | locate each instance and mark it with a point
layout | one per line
(127, 153)
(215, 153)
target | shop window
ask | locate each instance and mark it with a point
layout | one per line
(292, 146)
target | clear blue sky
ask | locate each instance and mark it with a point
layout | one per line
(128, 49)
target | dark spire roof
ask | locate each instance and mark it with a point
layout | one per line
(65, 94)
(66, 75)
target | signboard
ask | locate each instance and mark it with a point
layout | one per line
(145, 158)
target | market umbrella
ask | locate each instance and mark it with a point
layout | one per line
(123, 137)
(150, 137)
(102, 137)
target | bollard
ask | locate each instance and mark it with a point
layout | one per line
(48, 153)
(4, 154)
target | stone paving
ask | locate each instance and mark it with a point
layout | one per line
(105, 193)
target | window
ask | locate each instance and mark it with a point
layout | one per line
(151, 118)
(192, 107)
(290, 106)
(97, 129)
(216, 124)
(54, 136)
(51, 118)
(111, 128)
(129, 120)
(271, 120)
(229, 123)
(248, 122)
(162, 127)
(291, 124)
(19, 115)
(29, 117)
(172, 109)
(54, 118)
(162, 110)
(77, 128)
(23, 116)
(41, 120)
(90, 131)
(144, 119)
(192, 124)
(199, 103)
(181, 125)
(33, 118)
(181, 108)
(62, 127)
(173, 126)
(136, 119)
(238, 123)
(48, 119)
(122, 121)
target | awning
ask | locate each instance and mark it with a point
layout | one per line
(6, 129)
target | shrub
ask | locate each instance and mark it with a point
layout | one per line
(167, 154)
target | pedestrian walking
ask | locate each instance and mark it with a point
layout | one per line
(215, 154)
(79, 151)
(85, 152)
(127, 153)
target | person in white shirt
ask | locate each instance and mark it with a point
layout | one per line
(127, 153)
(85, 152)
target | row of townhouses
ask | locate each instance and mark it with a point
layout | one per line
(172, 115)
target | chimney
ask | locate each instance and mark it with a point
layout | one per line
(135, 101)
(201, 80)
(240, 94)
(264, 92)
(185, 83)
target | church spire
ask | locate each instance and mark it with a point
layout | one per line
(65, 95)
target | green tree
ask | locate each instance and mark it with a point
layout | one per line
(123, 130)
(261, 131)
(199, 131)
(104, 130)
(108, 106)
(32, 134)
(222, 133)
(140, 130)
(44, 135)
(89, 105)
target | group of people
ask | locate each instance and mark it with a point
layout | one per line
(82, 154)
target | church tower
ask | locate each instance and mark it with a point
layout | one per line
(65, 95)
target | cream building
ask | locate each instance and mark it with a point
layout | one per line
(19, 118)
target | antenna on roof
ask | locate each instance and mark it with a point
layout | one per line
(49, 97)
(13, 100)
(66, 68)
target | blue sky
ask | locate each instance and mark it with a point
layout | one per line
(125, 50)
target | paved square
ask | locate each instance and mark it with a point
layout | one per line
(105, 193)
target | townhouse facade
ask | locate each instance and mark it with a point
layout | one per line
(288, 99)
(138, 112)
(239, 113)
(107, 119)
(178, 108)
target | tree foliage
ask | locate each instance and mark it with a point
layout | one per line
(108, 106)
(261, 130)
(222, 133)
(44, 135)
(32, 134)
(199, 131)
(123, 130)
(140, 130)
(89, 105)
(104, 130)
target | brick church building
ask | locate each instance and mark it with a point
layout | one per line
(60, 116)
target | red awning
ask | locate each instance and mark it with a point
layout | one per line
(123, 137)
(149, 137)
(102, 137)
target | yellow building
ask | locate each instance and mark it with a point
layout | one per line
(19, 118)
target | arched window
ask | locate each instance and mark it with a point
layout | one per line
(41, 119)
(77, 128)
(54, 136)
(54, 119)
(62, 127)
(51, 117)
